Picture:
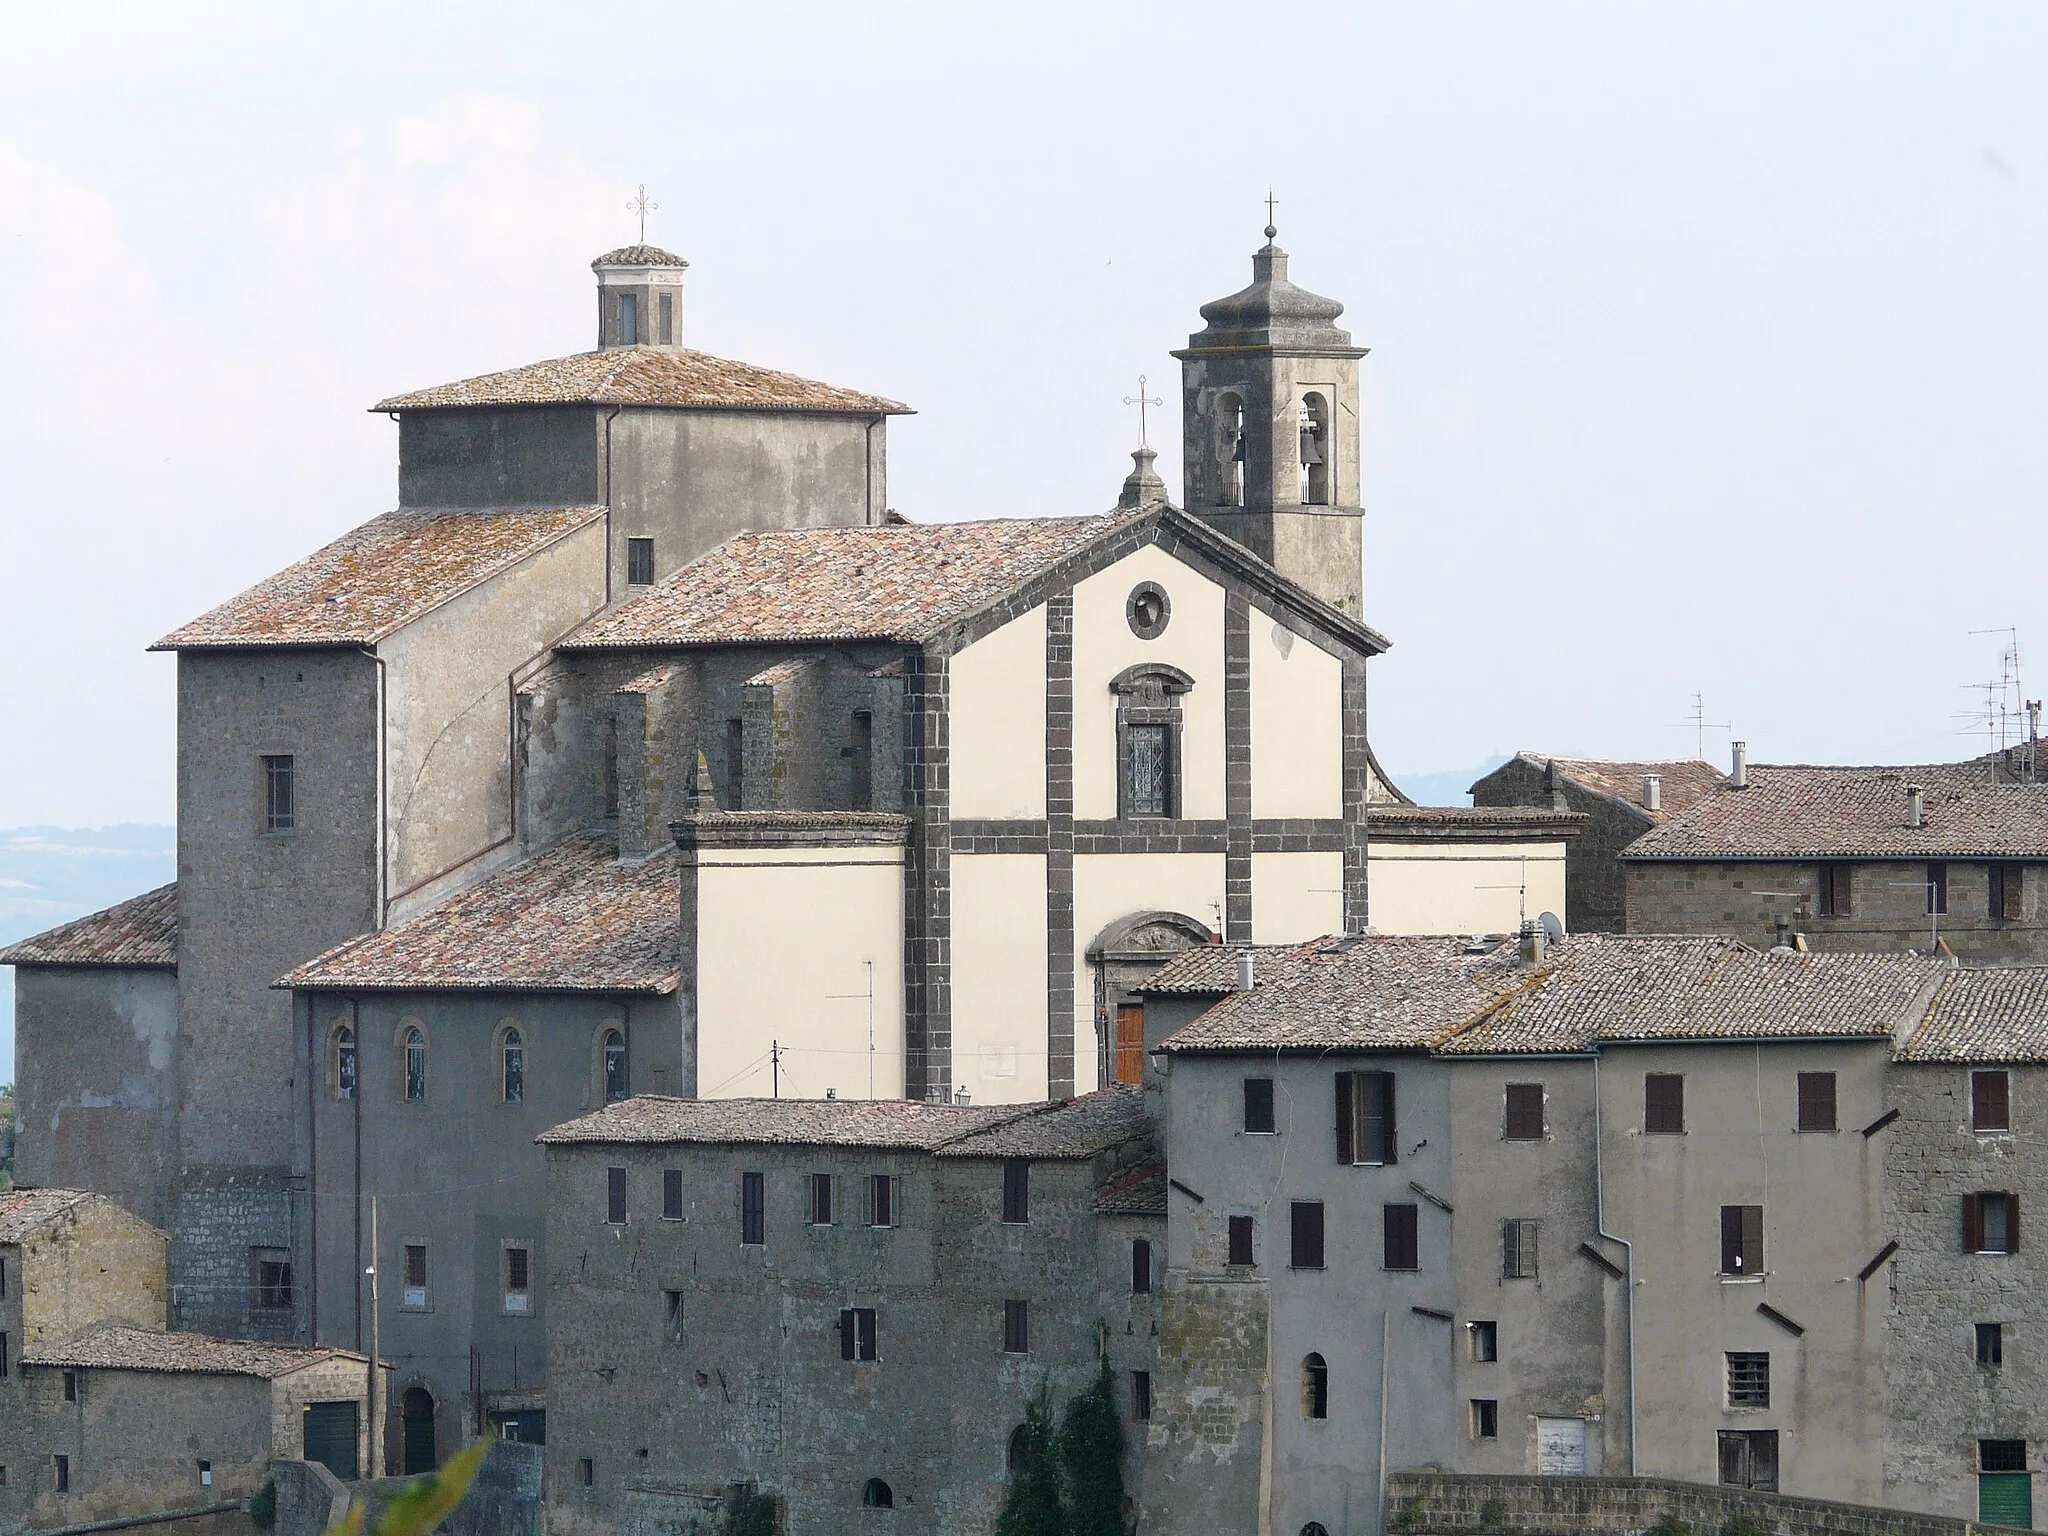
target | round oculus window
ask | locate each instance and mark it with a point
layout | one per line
(1147, 609)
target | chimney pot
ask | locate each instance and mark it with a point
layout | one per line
(1653, 792)
(1916, 806)
(1532, 943)
(1244, 970)
(1738, 777)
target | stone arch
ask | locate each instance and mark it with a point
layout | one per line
(1123, 956)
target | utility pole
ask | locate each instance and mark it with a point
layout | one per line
(376, 1354)
(775, 1068)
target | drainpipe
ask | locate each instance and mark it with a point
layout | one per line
(869, 482)
(614, 416)
(1386, 1333)
(1629, 1267)
(383, 830)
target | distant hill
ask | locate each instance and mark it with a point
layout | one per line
(1445, 786)
(49, 875)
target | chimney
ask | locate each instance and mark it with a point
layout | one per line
(1738, 778)
(1244, 970)
(1653, 792)
(1532, 943)
(1916, 806)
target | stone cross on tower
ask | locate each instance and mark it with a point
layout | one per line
(1141, 400)
(1272, 202)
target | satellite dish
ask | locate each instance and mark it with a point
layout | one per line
(1553, 929)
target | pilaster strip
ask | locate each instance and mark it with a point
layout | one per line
(1237, 768)
(928, 894)
(1357, 908)
(1059, 843)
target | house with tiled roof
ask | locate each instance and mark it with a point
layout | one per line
(1621, 799)
(1937, 857)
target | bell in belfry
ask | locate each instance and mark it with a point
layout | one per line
(1311, 443)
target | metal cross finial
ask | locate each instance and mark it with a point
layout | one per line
(1272, 202)
(643, 207)
(1141, 400)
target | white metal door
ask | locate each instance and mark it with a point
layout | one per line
(1561, 1447)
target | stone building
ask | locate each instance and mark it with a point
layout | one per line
(847, 1305)
(1947, 855)
(1621, 800)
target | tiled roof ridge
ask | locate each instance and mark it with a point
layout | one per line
(637, 377)
(179, 1352)
(139, 933)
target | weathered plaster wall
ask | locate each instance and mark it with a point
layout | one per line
(999, 1001)
(534, 456)
(93, 1262)
(1462, 887)
(96, 1085)
(996, 721)
(1297, 724)
(1296, 896)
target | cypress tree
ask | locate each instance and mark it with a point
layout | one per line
(1091, 1449)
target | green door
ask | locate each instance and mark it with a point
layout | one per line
(331, 1438)
(2006, 1498)
(417, 1415)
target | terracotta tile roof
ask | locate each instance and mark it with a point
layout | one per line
(895, 582)
(639, 256)
(119, 1347)
(24, 1212)
(1464, 997)
(1138, 1191)
(1800, 812)
(141, 931)
(1988, 1015)
(672, 377)
(905, 1125)
(1081, 1127)
(1398, 823)
(1208, 968)
(653, 680)
(1685, 781)
(380, 577)
(571, 919)
(1606, 988)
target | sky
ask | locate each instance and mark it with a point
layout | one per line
(1708, 341)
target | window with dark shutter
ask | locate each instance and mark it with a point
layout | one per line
(1991, 1345)
(1141, 1266)
(1016, 1327)
(858, 1333)
(1749, 1459)
(1141, 1395)
(881, 1210)
(1518, 1247)
(1990, 1101)
(671, 1194)
(753, 1208)
(1240, 1242)
(1258, 1104)
(1663, 1103)
(1400, 1244)
(1991, 1222)
(1016, 1191)
(640, 562)
(1525, 1111)
(1749, 1379)
(615, 1196)
(1742, 1239)
(821, 1199)
(1305, 1234)
(1817, 1101)
(1937, 889)
(1834, 890)
(1366, 1130)
(2012, 892)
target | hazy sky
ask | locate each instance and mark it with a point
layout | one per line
(1708, 342)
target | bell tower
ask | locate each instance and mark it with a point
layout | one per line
(1269, 420)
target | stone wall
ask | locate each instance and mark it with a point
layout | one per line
(1447, 1504)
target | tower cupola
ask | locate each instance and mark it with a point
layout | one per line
(639, 297)
(1269, 421)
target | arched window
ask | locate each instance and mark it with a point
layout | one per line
(876, 1494)
(1230, 450)
(616, 1086)
(1314, 418)
(512, 1065)
(415, 1044)
(1315, 1388)
(1018, 1455)
(341, 1063)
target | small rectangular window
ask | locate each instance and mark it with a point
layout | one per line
(413, 1293)
(1258, 1105)
(280, 795)
(1749, 1379)
(586, 1474)
(1518, 1247)
(1485, 1418)
(1990, 1101)
(639, 562)
(2002, 1455)
(1141, 1266)
(1016, 1327)
(1991, 1222)
(1742, 1239)
(271, 1272)
(1835, 890)
(629, 320)
(735, 763)
(821, 1199)
(1937, 889)
(858, 1336)
(665, 319)
(615, 1197)
(1305, 1234)
(1241, 1242)
(1485, 1341)
(1524, 1111)
(753, 1209)
(1991, 1344)
(518, 1279)
(1365, 1118)
(1400, 1238)
(1141, 1396)
(2008, 892)
(881, 1211)
(1817, 1101)
(63, 1466)
(672, 1315)
(671, 1194)
(860, 763)
(1016, 1191)
(71, 1386)
(1663, 1103)
(206, 1474)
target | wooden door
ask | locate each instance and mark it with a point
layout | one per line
(1130, 1042)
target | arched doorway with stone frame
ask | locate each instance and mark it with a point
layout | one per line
(1122, 957)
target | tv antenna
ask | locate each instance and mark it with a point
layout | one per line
(1697, 722)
